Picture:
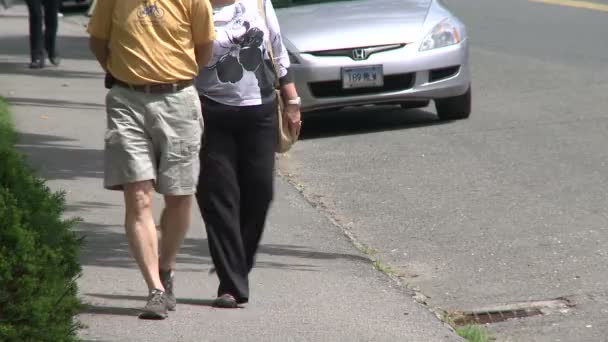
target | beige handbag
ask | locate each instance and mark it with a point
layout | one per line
(286, 137)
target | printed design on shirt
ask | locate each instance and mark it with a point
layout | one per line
(150, 12)
(244, 53)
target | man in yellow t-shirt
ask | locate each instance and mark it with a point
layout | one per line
(151, 51)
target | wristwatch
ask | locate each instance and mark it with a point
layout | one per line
(295, 101)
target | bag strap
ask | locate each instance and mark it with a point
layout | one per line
(262, 10)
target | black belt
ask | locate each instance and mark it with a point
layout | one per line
(156, 87)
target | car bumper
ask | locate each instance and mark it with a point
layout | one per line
(409, 75)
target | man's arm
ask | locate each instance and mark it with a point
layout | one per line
(100, 49)
(203, 31)
(100, 28)
(203, 53)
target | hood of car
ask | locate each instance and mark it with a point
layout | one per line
(350, 24)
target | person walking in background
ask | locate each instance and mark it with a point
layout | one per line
(6, 3)
(43, 41)
(241, 136)
(151, 52)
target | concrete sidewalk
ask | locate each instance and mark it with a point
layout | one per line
(310, 283)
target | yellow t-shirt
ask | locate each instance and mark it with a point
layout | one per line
(152, 41)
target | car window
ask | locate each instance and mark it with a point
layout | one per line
(293, 3)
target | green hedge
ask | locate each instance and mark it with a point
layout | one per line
(38, 252)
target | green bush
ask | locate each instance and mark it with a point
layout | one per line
(38, 253)
(7, 135)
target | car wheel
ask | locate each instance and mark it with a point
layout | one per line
(414, 104)
(454, 108)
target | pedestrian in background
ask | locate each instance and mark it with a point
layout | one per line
(6, 3)
(42, 41)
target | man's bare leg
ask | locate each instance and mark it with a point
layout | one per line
(174, 224)
(141, 230)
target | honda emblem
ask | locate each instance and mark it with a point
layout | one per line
(359, 54)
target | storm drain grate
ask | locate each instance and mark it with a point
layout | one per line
(511, 311)
(467, 318)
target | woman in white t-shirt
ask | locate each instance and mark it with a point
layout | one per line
(241, 135)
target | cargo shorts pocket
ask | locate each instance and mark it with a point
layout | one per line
(180, 174)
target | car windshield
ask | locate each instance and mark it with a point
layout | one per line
(293, 3)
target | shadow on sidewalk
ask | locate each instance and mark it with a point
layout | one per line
(185, 301)
(109, 310)
(69, 47)
(307, 253)
(54, 160)
(106, 246)
(49, 71)
(88, 206)
(93, 309)
(46, 103)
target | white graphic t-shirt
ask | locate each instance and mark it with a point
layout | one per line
(240, 72)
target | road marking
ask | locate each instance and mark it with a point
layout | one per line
(575, 3)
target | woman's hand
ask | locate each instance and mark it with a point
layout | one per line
(292, 107)
(294, 118)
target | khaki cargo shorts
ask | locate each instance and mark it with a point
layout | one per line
(152, 136)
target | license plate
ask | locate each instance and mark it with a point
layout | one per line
(362, 77)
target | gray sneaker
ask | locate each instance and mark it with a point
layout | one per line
(156, 307)
(166, 277)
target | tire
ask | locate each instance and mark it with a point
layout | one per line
(454, 108)
(414, 104)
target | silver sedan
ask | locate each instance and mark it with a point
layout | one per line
(360, 52)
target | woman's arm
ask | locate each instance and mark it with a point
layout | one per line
(281, 60)
(281, 56)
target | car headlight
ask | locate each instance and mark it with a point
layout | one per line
(292, 58)
(443, 34)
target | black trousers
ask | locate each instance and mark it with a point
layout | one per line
(38, 40)
(236, 187)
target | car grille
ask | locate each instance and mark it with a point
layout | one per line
(334, 88)
(440, 74)
(350, 52)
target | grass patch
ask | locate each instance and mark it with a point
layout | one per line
(474, 333)
(383, 267)
(369, 251)
(471, 332)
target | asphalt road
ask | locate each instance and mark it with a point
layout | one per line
(508, 206)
